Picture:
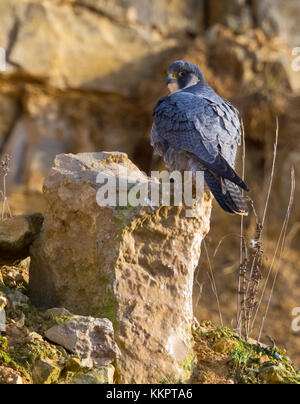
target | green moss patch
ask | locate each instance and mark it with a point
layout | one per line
(223, 357)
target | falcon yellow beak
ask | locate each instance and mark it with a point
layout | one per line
(172, 83)
(171, 78)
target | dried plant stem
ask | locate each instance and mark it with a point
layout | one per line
(292, 233)
(243, 285)
(3, 205)
(240, 274)
(255, 277)
(284, 230)
(228, 235)
(213, 283)
(268, 275)
(4, 200)
(245, 272)
(238, 310)
(200, 286)
(4, 170)
(272, 173)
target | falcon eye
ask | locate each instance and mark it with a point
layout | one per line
(180, 74)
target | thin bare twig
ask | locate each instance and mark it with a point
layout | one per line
(228, 235)
(285, 224)
(269, 273)
(254, 279)
(252, 276)
(242, 235)
(292, 233)
(214, 286)
(272, 174)
(4, 170)
(200, 286)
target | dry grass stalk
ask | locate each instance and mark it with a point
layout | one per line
(283, 238)
(200, 286)
(213, 283)
(251, 271)
(272, 172)
(249, 303)
(4, 170)
(241, 275)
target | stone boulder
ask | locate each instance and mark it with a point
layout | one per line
(103, 375)
(16, 235)
(90, 338)
(3, 303)
(9, 376)
(132, 265)
(45, 372)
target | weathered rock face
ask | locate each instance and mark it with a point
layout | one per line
(274, 17)
(67, 30)
(134, 266)
(16, 235)
(280, 17)
(96, 50)
(168, 17)
(236, 14)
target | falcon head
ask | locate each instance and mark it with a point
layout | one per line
(182, 73)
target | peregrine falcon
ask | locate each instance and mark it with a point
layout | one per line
(195, 129)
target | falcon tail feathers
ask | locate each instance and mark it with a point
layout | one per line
(222, 168)
(226, 193)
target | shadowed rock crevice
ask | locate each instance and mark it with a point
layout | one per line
(16, 236)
